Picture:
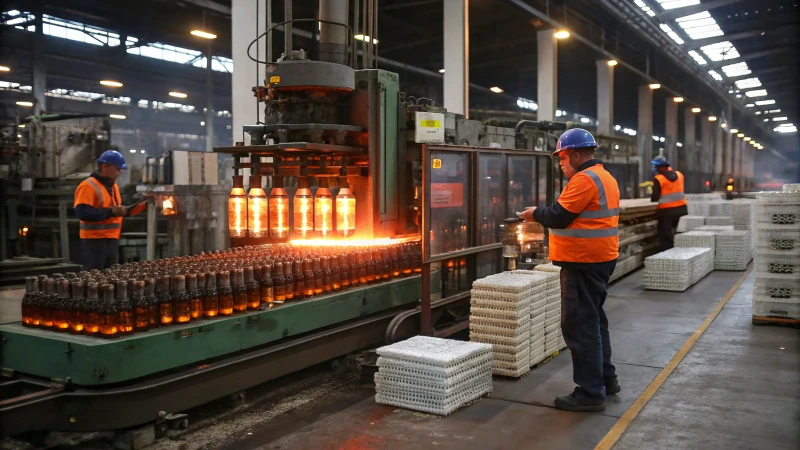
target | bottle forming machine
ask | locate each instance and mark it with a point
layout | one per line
(344, 165)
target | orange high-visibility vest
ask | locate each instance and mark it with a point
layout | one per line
(593, 237)
(672, 194)
(91, 192)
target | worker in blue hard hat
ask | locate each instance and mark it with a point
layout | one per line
(668, 192)
(584, 242)
(99, 207)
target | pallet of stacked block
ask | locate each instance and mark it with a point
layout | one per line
(538, 313)
(677, 269)
(554, 337)
(743, 211)
(715, 228)
(433, 375)
(689, 223)
(733, 250)
(720, 208)
(719, 220)
(791, 187)
(696, 239)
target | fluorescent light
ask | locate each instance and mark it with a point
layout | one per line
(5, 69)
(734, 131)
(617, 127)
(654, 86)
(749, 105)
(765, 102)
(441, 70)
(679, 144)
(746, 138)
(13, 13)
(740, 135)
(661, 139)
(202, 123)
(203, 34)
(496, 90)
(756, 93)
(22, 125)
(177, 94)
(111, 83)
(779, 119)
(585, 120)
(677, 99)
(696, 110)
(723, 125)
(117, 116)
(361, 37)
(133, 150)
(774, 111)
(612, 62)
(712, 118)
(758, 113)
(142, 152)
(21, 103)
(561, 34)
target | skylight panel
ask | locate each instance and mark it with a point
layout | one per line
(748, 83)
(765, 102)
(700, 25)
(671, 33)
(756, 93)
(720, 51)
(714, 74)
(644, 8)
(672, 4)
(699, 59)
(735, 70)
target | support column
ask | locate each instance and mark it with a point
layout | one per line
(645, 131)
(248, 20)
(728, 167)
(39, 66)
(605, 98)
(456, 56)
(209, 101)
(718, 149)
(706, 162)
(689, 138)
(671, 132)
(547, 74)
(737, 156)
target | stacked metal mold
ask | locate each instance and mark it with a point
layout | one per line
(696, 239)
(719, 220)
(734, 250)
(433, 375)
(689, 223)
(677, 269)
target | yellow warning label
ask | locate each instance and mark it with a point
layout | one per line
(430, 123)
(274, 79)
(437, 163)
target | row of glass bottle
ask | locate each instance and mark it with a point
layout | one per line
(75, 304)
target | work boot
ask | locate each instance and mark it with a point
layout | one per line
(612, 385)
(579, 402)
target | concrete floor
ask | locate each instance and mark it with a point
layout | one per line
(739, 387)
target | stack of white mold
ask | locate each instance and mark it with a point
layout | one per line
(733, 250)
(677, 269)
(696, 239)
(433, 375)
(539, 302)
(719, 220)
(554, 339)
(776, 292)
(689, 223)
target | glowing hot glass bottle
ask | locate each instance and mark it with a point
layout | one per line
(303, 211)
(345, 213)
(278, 211)
(323, 210)
(237, 208)
(257, 217)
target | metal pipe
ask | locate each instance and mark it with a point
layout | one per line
(357, 6)
(426, 322)
(332, 37)
(269, 35)
(63, 233)
(152, 230)
(287, 29)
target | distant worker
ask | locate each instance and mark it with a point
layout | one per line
(668, 192)
(584, 242)
(99, 207)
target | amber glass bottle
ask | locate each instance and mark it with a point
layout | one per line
(308, 275)
(239, 291)
(126, 313)
(361, 267)
(153, 306)
(109, 319)
(405, 260)
(369, 263)
(416, 257)
(93, 310)
(77, 316)
(166, 306)
(253, 289)
(266, 285)
(299, 279)
(344, 271)
(141, 310)
(225, 293)
(195, 300)
(319, 280)
(288, 280)
(61, 309)
(49, 303)
(278, 282)
(395, 261)
(181, 299)
(336, 280)
(211, 296)
(386, 270)
(30, 303)
(325, 270)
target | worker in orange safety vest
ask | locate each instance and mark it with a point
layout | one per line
(99, 207)
(668, 192)
(584, 242)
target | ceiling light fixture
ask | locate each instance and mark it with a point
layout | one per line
(496, 90)
(677, 99)
(111, 83)
(441, 70)
(654, 86)
(740, 135)
(612, 62)
(117, 116)
(723, 125)
(561, 34)
(712, 118)
(696, 110)
(734, 131)
(746, 138)
(5, 69)
(203, 34)
(177, 94)
(21, 103)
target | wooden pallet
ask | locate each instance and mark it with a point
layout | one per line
(775, 321)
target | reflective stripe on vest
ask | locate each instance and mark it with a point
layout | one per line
(674, 197)
(603, 213)
(99, 226)
(586, 232)
(97, 189)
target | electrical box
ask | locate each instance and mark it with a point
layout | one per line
(194, 168)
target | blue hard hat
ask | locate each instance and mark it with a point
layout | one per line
(575, 138)
(660, 161)
(114, 158)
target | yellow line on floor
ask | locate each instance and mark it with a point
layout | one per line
(619, 428)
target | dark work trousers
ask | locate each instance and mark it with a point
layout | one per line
(666, 232)
(585, 326)
(99, 253)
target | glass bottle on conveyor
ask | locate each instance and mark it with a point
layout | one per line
(405, 260)
(239, 291)
(369, 263)
(153, 306)
(61, 309)
(344, 271)
(416, 260)
(77, 310)
(166, 306)
(195, 299)
(93, 310)
(325, 271)
(210, 296)
(308, 275)
(316, 265)
(266, 285)
(181, 299)
(362, 267)
(225, 293)
(30, 303)
(253, 289)
(288, 278)
(49, 302)
(141, 310)
(109, 319)
(126, 314)
(278, 282)
(299, 279)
